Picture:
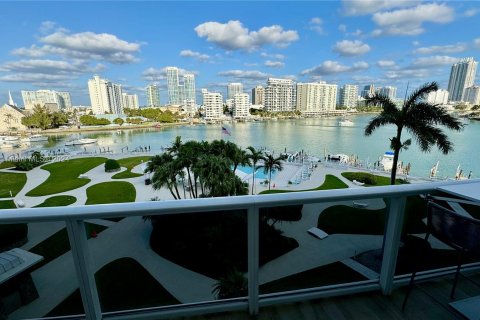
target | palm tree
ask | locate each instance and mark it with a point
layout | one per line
(418, 117)
(272, 164)
(255, 157)
(234, 284)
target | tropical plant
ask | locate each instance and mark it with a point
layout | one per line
(118, 121)
(255, 156)
(233, 285)
(419, 117)
(112, 165)
(271, 164)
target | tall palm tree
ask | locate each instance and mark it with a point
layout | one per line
(255, 157)
(271, 164)
(418, 117)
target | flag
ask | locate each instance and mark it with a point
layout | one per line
(225, 131)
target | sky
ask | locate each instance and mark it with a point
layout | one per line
(60, 45)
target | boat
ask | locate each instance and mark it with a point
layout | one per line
(35, 138)
(387, 161)
(8, 138)
(342, 158)
(345, 123)
(80, 142)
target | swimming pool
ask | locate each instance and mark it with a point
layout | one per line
(259, 174)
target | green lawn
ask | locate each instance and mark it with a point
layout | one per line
(331, 182)
(57, 201)
(122, 284)
(111, 192)
(7, 204)
(58, 244)
(370, 180)
(330, 274)
(64, 176)
(11, 182)
(130, 163)
(7, 164)
(350, 220)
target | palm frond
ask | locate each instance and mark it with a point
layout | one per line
(420, 93)
(378, 121)
(433, 114)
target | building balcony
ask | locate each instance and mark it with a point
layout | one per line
(235, 257)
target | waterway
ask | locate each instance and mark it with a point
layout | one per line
(313, 136)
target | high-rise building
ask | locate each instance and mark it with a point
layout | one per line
(462, 75)
(389, 91)
(129, 101)
(173, 86)
(348, 96)
(438, 97)
(105, 96)
(257, 95)
(368, 91)
(190, 107)
(316, 98)
(153, 96)
(189, 87)
(213, 105)
(241, 105)
(280, 95)
(42, 97)
(234, 88)
(472, 95)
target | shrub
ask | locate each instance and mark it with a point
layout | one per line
(364, 177)
(112, 165)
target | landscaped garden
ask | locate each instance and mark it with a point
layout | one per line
(369, 179)
(331, 182)
(11, 182)
(7, 204)
(57, 201)
(130, 163)
(122, 284)
(64, 176)
(7, 164)
(111, 192)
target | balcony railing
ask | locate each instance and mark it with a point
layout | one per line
(74, 218)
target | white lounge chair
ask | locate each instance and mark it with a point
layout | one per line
(317, 233)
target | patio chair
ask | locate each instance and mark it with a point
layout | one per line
(455, 230)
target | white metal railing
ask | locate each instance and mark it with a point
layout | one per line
(75, 217)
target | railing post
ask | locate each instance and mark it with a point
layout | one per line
(253, 259)
(83, 268)
(393, 231)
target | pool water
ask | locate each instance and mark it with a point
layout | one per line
(259, 174)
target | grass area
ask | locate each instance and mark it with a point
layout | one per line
(7, 164)
(122, 284)
(7, 204)
(64, 176)
(57, 201)
(330, 274)
(130, 163)
(11, 182)
(58, 244)
(350, 220)
(370, 180)
(111, 192)
(331, 182)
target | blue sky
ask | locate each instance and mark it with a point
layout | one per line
(60, 45)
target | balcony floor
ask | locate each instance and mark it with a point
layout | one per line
(428, 300)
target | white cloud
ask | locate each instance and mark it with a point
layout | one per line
(434, 61)
(342, 28)
(451, 48)
(157, 74)
(316, 20)
(385, 63)
(274, 64)
(233, 36)
(365, 7)
(416, 43)
(471, 12)
(196, 55)
(49, 67)
(245, 74)
(409, 21)
(316, 25)
(351, 48)
(273, 56)
(476, 43)
(330, 67)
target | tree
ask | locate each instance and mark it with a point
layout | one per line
(255, 156)
(118, 121)
(271, 164)
(59, 118)
(418, 117)
(234, 284)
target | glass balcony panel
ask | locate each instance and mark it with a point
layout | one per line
(37, 271)
(320, 244)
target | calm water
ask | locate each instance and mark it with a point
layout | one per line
(314, 136)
